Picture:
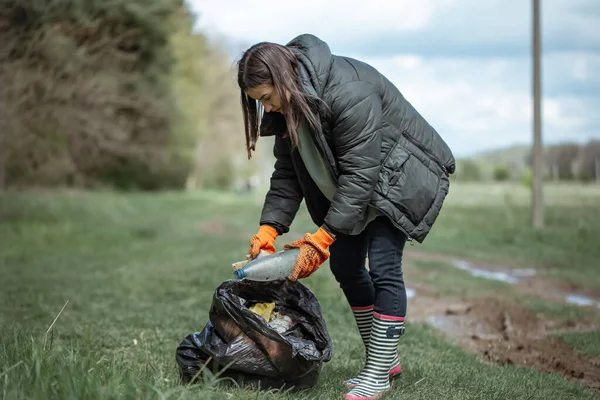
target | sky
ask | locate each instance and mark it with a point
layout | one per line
(466, 65)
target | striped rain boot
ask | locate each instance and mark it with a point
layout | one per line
(383, 345)
(364, 321)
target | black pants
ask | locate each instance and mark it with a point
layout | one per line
(381, 286)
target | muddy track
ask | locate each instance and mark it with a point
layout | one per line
(503, 333)
(527, 280)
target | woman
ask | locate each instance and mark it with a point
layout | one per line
(373, 174)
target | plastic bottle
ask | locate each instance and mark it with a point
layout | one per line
(269, 268)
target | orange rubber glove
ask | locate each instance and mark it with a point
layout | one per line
(313, 252)
(263, 240)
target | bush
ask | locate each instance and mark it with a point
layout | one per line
(526, 178)
(501, 173)
(468, 171)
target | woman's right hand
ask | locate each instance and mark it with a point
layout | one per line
(263, 240)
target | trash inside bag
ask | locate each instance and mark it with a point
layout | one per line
(281, 323)
(264, 310)
(255, 345)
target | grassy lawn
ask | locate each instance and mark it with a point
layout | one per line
(139, 271)
(587, 343)
(493, 223)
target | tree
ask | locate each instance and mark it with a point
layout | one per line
(560, 161)
(588, 162)
(117, 93)
(87, 86)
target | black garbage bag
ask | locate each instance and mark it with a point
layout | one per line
(239, 344)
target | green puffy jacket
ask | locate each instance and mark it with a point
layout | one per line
(381, 151)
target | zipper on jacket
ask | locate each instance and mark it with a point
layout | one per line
(330, 161)
(331, 164)
(424, 150)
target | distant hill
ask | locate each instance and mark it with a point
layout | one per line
(514, 156)
(512, 160)
(561, 161)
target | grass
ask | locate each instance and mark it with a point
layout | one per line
(139, 272)
(449, 281)
(568, 314)
(587, 343)
(492, 223)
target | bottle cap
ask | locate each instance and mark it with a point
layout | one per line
(239, 274)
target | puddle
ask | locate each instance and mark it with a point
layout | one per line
(439, 322)
(583, 301)
(501, 276)
(515, 276)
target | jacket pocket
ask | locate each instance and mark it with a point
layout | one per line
(408, 184)
(392, 168)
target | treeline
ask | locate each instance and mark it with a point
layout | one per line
(117, 93)
(564, 162)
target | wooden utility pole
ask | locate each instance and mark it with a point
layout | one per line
(537, 204)
(3, 133)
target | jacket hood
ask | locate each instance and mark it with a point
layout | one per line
(314, 65)
(315, 60)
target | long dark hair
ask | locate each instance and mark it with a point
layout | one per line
(273, 64)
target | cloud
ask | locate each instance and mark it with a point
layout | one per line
(465, 65)
(479, 104)
(491, 28)
(428, 27)
(572, 74)
(281, 21)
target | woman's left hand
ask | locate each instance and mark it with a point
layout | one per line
(313, 252)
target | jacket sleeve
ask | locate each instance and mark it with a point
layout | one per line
(285, 195)
(357, 119)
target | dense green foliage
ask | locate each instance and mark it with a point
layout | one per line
(96, 92)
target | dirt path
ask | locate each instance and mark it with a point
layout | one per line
(503, 333)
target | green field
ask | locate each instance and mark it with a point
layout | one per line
(139, 270)
(493, 223)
